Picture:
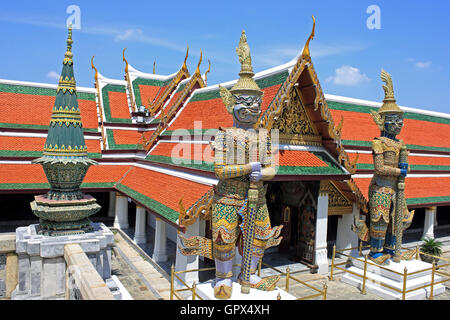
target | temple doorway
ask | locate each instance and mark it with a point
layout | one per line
(294, 205)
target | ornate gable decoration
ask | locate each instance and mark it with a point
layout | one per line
(337, 203)
(294, 123)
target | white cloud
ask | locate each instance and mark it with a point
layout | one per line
(129, 34)
(282, 53)
(53, 75)
(423, 65)
(347, 76)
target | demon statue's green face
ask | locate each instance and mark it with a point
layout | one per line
(393, 124)
(246, 110)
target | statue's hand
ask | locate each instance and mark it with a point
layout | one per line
(256, 166)
(403, 172)
(255, 176)
(403, 169)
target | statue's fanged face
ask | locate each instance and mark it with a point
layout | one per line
(393, 123)
(247, 109)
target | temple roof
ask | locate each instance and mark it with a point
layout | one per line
(141, 161)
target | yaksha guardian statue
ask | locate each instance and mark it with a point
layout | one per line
(389, 215)
(243, 161)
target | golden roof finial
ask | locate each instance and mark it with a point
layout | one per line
(389, 104)
(185, 59)
(125, 60)
(197, 71)
(154, 67)
(305, 53)
(245, 84)
(207, 71)
(69, 54)
(93, 67)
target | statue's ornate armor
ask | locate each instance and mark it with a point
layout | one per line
(389, 215)
(239, 212)
(382, 194)
(230, 197)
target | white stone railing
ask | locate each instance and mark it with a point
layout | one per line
(82, 280)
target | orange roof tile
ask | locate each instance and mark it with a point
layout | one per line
(412, 160)
(361, 127)
(148, 93)
(119, 105)
(300, 158)
(415, 187)
(200, 152)
(105, 173)
(37, 144)
(37, 110)
(22, 173)
(164, 188)
(129, 136)
(212, 113)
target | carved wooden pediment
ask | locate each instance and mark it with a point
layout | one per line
(294, 123)
(337, 203)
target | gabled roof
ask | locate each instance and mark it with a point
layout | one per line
(25, 105)
(151, 90)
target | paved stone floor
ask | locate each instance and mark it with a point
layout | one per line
(130, 280)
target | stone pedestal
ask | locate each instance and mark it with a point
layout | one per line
(187, 262)
(206, 291)
(389, 276)
(41, 263)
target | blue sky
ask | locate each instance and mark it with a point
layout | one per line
(412, 44)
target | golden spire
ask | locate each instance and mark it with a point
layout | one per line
(125, 60)
(68, 55)
(197, 71)
(207, 71)
(305, 53)
(184, 67)
(154, 67)
(245, 84)
(93, 67)
(389, 105)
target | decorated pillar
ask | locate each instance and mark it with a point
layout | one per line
(112, 204)
(160, 249)
(121, 219)
(188, 262)
(428, 228)
(346, 238)
(139, 230)
(320, 252)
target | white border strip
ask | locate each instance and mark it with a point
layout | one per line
(413, 175)
(367, 103)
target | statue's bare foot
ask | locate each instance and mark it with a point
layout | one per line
(223, 288)
(263, 284)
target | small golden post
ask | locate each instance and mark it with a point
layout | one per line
(172, 270)
(405, 277)
(288, 272)
(332, 262)
(193, 291)
(325, 289)
(417, 252)
(363, 289)
(360, 248)
(433, 270)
